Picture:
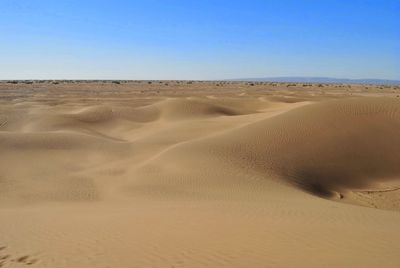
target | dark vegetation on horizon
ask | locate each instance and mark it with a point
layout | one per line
(249, 82)
(326, 80)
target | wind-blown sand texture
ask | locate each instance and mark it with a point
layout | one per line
(199, 174)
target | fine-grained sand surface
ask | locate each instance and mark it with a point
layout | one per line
(199, 174)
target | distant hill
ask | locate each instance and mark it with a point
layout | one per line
(323, 80)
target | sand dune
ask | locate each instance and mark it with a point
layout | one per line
(324, 147)
(195, 175)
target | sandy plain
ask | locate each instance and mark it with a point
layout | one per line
(199, 174)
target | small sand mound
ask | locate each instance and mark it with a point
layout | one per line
(94, 114)
(142, 114)
(178, 109)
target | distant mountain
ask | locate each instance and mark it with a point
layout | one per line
(323, 80)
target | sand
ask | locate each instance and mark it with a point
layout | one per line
(199, 174)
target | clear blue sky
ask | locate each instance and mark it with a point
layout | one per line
(198, 39)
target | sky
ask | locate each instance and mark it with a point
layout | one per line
(199, 39)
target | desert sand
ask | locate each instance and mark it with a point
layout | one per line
(199, 174)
